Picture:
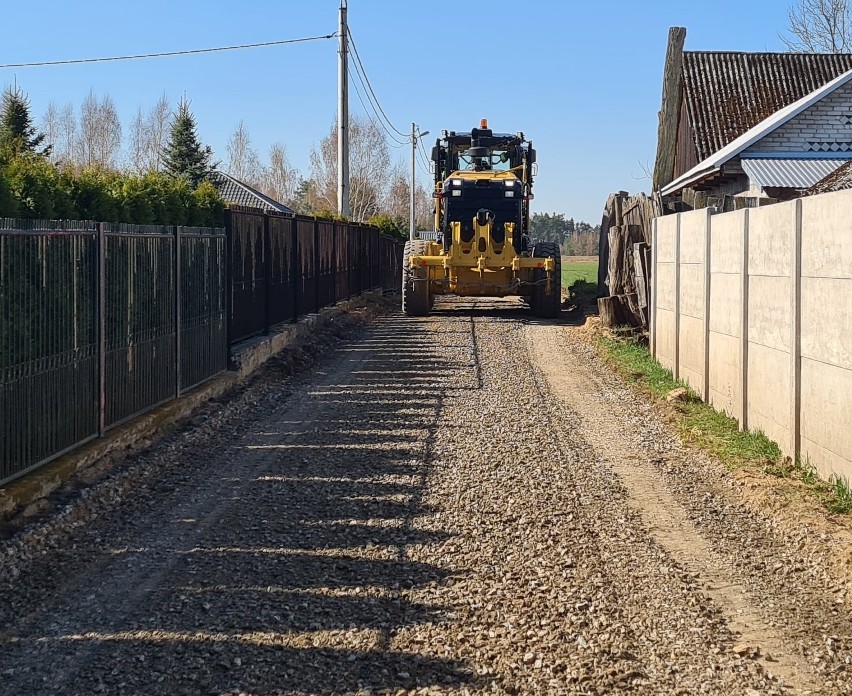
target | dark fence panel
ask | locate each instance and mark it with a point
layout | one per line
(284, 268)
(203, 315)
(281, 295)
(48, 336)
(248, 273)
(89, 318)
(140, 329)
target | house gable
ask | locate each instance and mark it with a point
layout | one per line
(727, 94)
(824, 127)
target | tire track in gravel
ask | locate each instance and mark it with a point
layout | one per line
(556, 585)
(680, 499)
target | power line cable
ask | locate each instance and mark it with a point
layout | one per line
(394, 142)
(375, 119)
(168, 53)
(369, 85)
(378, 119)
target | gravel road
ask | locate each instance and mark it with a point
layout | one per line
(465, 503)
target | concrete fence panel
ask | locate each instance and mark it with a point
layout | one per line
(728, 240)
(692, 353)
(753, 309)
(826, 332)
(770, 260)
(665, 315)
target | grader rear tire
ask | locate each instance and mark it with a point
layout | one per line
(415, 283)
(547, 305)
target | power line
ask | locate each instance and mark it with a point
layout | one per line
(374, 116)
(394, 142)
(369, 86)
(168, 53)
(424, 163)
(372, 108)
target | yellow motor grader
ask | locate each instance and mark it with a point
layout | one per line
(483, 189)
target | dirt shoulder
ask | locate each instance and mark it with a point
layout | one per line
(768, 555)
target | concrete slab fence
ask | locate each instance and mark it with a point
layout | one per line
(753, 309)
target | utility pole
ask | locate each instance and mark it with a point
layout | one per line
(343, 113)
(412, 187)
(411, 221)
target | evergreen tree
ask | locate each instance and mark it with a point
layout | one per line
(17, 132)
(184, 155)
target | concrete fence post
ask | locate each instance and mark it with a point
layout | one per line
(744, 300)
(653, 304)
(708, 226)
(677, 299)
(796, 332)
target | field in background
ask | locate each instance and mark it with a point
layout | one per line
(576, 268)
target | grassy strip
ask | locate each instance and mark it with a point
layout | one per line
(572, 271)
(715, 432)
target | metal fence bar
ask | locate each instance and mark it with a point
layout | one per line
(178, 322)
(101, 318)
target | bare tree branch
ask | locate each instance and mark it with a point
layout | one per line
(819, 26)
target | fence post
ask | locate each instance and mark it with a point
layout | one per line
(101, 314)
(708, 227)
(229, 279)
(294, 265)
(652, 320)
(267, 272)
(744, 290)
(334, 242)
(677, 300)
(360, 242)
(316, 267)
(178, 296)
(796, 333)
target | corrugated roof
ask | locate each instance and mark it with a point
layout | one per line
(712, 164)
(839, 180)
(789, 172)
(236, 192)
(727, 94)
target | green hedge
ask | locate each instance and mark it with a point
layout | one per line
(33, 188)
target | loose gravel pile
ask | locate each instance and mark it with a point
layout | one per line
(421, 513)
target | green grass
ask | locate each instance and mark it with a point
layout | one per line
(580, 277)
(715, 432)
(584, 270)
(699, 423)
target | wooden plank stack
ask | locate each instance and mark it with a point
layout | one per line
(625, 260)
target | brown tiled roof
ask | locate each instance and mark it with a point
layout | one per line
(838, 180)
(728, 93)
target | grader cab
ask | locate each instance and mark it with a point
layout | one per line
(483, 189)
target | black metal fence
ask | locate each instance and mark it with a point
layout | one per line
(102, 322)
(285, 267)
(99, 323)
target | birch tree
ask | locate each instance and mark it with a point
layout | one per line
(369, 169)
(243, 161)
(279, 179)
(100, 132)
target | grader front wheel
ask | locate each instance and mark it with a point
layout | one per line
(415, 282)
(547, 305)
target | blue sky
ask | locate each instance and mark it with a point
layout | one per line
(583, 80)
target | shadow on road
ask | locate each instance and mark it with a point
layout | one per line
(291, 571)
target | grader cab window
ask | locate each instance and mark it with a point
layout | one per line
(495, 161)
